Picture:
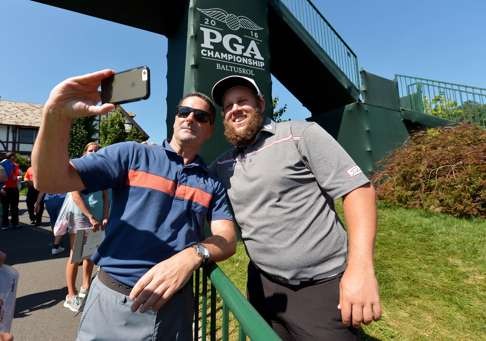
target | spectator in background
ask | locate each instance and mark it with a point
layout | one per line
(10, 196)
(53, 204)
(6, 167)
(92, 211)
(32, 194)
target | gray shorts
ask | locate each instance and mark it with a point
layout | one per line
(107, 316)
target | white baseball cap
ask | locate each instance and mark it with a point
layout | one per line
(220, 87)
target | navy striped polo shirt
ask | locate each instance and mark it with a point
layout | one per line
(159, 205)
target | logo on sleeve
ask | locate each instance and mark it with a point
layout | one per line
(353, 171)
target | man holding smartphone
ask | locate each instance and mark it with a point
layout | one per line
(161, 197)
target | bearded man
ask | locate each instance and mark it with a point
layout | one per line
(308, 277)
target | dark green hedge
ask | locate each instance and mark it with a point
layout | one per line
(441, 170)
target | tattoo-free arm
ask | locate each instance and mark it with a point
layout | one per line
(359, 297)
(163, 280)
(73, 98)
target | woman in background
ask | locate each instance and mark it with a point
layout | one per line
(92, 214)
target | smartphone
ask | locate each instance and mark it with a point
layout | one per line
(126, 86)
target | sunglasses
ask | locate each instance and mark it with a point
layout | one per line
(199, 115)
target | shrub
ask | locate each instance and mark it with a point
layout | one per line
(440, 169)
(23, 162)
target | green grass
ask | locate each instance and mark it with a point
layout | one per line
(432, 274)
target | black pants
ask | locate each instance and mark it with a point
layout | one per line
(300, 312)
(10, 204)
(30, 200)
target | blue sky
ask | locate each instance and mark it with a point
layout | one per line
(42, 45)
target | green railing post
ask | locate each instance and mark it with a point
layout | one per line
(212, 328)
(196, 283)
(225, 327)
(251, 324)
(204, 313)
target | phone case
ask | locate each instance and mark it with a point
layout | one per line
(126, 86)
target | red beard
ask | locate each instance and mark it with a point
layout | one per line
(247, 136)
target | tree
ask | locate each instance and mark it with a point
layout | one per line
(469, 111)
(136, 134)
(474, 112)
(441, 107)
(81, 133)
(112, 128)
(278, 113)
(22, 161)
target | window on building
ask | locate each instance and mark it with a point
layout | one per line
(26, 135)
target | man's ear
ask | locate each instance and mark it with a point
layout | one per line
(261, 104)
(211, 130)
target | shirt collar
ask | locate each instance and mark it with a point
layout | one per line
(197, 162)
(268, 127)
(166, 145)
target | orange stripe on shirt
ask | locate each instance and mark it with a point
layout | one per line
(193, 194)
(147, 180)
(158, 183)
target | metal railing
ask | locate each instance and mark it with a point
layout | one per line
(326, 37)
(454, 102)
(222, 313)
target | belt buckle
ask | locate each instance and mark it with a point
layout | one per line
(303, 281)
(294, 281)
(286, 281)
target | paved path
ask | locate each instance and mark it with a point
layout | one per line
(39, 313)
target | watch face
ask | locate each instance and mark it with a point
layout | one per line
(205, 252)
(202, 251)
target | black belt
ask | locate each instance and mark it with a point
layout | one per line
(293, 282)
(113, 284)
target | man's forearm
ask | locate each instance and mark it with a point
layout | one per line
(73, 98)
(359, 298)
(222, 244)
(50, 158)
(360, 215)
(219, 247)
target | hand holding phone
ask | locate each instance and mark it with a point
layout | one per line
(126, 86)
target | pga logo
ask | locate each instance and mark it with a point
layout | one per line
(230, 42)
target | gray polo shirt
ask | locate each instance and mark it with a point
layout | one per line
(282, 189)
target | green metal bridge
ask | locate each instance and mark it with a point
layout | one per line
(454, 102)
(291, 40)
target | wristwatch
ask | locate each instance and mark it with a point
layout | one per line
(202, 252)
